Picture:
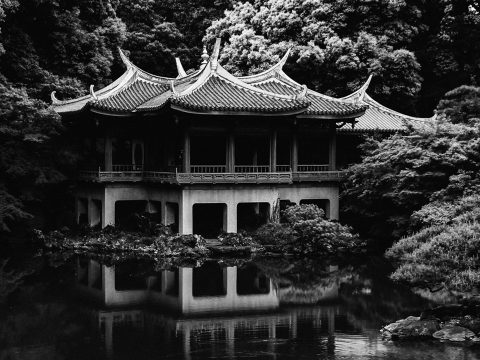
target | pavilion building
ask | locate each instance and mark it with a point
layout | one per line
(207, 151)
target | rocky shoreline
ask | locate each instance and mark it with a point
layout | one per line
(457, 323)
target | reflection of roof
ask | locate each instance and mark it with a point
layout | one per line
(379, 117)
(211, 90)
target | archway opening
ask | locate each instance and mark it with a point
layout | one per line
(250, 216)
(208, 219)
(126, 213)
(208, 280)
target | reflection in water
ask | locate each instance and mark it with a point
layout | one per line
(257, 310)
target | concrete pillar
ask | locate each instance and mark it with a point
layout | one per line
(186, 151)
(230, 152)
(108, 152)
(168, 213)
(332, 158)
(230, 277)
(168, 281)
(152, 207)
(108, 211)
(273, 151)
(185, 291)
(141, 160)
(108, 321)
(231, 217)
(94, 272)
(334, 206)
(94, 212)
(163, 213)
(81, 207)
(185, 220)
(108, 278)
(294, 151)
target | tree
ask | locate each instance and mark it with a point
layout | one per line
(400, 174)
(334, 47)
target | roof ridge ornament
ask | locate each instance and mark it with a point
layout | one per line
(172, 88)
(215, 54)
(363, 90)
(125, 59)
(55, 101)
(92, 93)
(180, 69)
(283, 60)
(204, 56)
(302, 94)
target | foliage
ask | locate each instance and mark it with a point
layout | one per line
(330, 52)
(307, 232)
(400, 174)
(274, 234)
(236, 239)
(445, 252)
(29, 157)
(336, 44)
(111, 240)
(10, 280)
(66, 46)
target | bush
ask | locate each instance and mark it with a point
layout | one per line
(236, 239)
(274, 234)
(307, 232)
(445, 252)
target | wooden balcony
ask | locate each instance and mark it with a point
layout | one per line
(216, 174)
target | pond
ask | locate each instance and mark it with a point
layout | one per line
(81, 308)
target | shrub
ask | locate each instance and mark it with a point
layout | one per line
(274, 234)
(445, 253)
(307, 232)
(296, 213)
(236, 239)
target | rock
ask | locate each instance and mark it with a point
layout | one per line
(411, 328)
(456, 334)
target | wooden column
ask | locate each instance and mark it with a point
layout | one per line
(108, 152)
(294, 150)
(186, 151)
(332, 156)
(231, 151)
(273, 150)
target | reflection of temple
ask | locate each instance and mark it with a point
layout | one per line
(223, 292)
(185, 290)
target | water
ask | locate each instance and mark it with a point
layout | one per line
(263, 309)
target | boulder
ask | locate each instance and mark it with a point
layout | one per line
(411, 328)
(456, 334)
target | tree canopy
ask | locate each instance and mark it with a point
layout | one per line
(416, 50)
(433, 162)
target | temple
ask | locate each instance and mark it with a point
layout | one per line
(208, 151)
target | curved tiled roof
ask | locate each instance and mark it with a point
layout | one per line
(379, 117)
(131, 97)
(320, 104)
(211, 89)
(220, 94)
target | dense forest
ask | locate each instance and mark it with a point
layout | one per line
(417, 51)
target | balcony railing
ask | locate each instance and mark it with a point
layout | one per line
(283, 168)
(129, 167)
(208, 169)
(216, 174)
(252, 168)
(236, 178)
(313, 168)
